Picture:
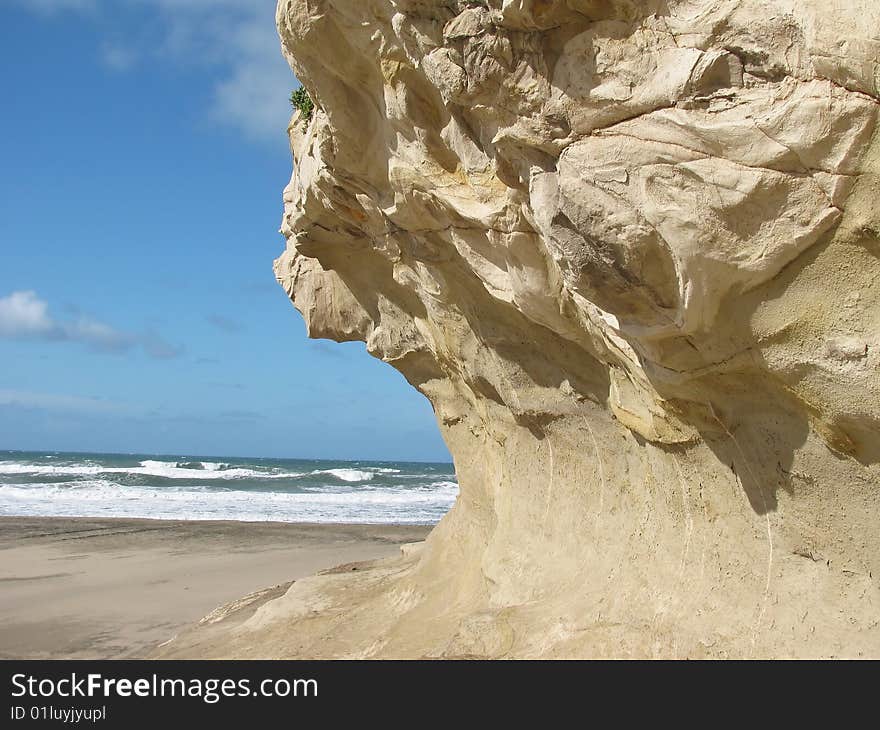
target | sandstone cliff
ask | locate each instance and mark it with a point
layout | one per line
(629, 251)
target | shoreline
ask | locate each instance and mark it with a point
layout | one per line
(117, 587)
(199, 521)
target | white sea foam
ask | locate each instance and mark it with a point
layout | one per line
(95, 485)
(100, 497)
(347, 475)
(149, 467)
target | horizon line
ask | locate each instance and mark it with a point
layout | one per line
(217, 456)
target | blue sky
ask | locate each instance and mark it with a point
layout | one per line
(142, 158)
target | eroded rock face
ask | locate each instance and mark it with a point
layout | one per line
(629, 251)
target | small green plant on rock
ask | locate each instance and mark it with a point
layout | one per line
(301, 100)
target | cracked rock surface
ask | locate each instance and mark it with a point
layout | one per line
(629, 251)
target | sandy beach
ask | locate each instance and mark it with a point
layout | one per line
(89, 588)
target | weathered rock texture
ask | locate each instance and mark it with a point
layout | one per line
(629, 251)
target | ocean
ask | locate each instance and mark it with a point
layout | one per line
(220, 488)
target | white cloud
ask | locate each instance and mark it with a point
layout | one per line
(235, 41)
(255, 96)
(239, 38)
(23, 315)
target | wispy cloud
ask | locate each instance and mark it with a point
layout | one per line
(158, 347)
(240, 415)
(254, 95)
(117, 57)
(24, 315)
(57, 402)
(235, 40)
(326, 349)
(224, 323)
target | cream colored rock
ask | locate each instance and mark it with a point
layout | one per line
(629, 251)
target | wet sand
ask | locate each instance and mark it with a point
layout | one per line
(89, 588)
